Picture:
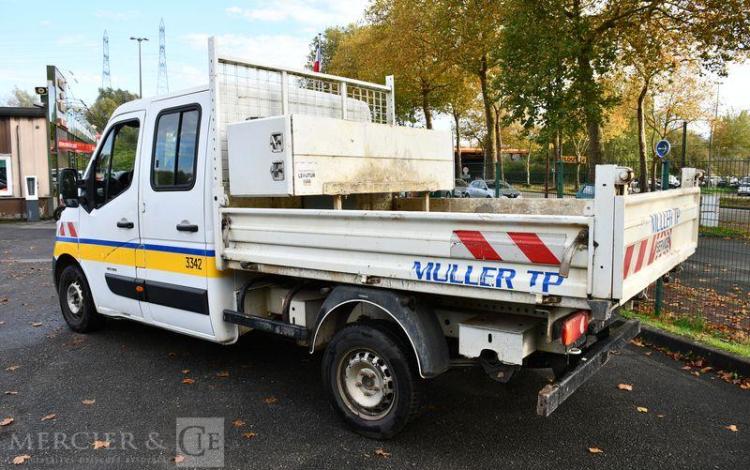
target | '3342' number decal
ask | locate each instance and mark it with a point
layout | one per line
(193, 263)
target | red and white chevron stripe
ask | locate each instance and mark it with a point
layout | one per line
(636, 254)
(71, 229)
(511, 247)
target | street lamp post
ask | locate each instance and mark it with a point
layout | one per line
(140, 74)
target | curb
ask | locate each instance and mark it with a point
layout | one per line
(718, 359)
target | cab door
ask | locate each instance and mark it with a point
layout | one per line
(173, 230)
(108, 228)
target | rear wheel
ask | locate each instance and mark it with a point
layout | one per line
(369, 375)
(76, 302)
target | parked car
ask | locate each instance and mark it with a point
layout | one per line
(743, 190)
(482, 188)
(458, 191)
(585, 192)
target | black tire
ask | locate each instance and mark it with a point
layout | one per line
(86, 319)
(58, 213)
(375, 348)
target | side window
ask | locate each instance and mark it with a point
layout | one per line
(115, 163)
(175, 149)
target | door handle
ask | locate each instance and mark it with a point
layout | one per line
(186, 226)
(125, 224)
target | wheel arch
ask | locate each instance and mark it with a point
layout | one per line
(415, 320)
(62, 262)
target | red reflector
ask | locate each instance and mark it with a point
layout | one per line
(574, 327)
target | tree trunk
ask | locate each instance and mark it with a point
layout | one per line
(426, 106)
(459, 165)
(490, 155)
(642, 162)
(528, 167)
(546, 171)
(499, 142)
(559, 179)
(587, 85)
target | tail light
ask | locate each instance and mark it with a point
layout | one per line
(574, 326)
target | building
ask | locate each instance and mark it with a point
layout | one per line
(24, 168)
(36, 143)
(472, 159)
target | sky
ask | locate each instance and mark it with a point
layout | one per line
(278, 32)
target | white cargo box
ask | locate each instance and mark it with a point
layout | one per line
(300, 155)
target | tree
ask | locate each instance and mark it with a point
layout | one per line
(329, 42)
(590, 35)
(679, 97)
(468, 32)
(106, 103)
(22, 98)
(462, 99)
(732, 135)
(538, 79)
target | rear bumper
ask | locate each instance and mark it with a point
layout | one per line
(552, 395)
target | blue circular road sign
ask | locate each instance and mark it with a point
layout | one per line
(662, 148)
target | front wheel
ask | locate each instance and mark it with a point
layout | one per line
(370, 379)
(76, 302)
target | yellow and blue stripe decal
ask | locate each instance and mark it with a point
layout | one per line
(182, 260)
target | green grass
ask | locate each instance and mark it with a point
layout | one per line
(735, 202)
(693, 327)
(723, 232)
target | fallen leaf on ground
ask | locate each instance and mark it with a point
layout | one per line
(49, 417)
(659, 416)
(271, 400)
(642, 409)
(178, 458)
(6, 421)
(13, 368)
(249, 435)
(380, 452)
(648, 353)
(706, 369)
(595, 450)
(21, 459)
(732, 427)
(223, 373)
(11, 392)
(627, 387)
(88, 402)
(36, 323)
(101, 444)
(188, 381)
(238, 423)
(637, 342)
(185, 371)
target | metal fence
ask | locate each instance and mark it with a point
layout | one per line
(713, 287)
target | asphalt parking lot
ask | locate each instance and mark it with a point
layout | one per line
(131, 378)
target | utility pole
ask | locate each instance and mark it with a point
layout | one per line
(162, 82)
(140, 73)
(106, 78)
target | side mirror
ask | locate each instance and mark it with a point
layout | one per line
(69, 185)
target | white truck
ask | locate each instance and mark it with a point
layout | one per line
(276, 200)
